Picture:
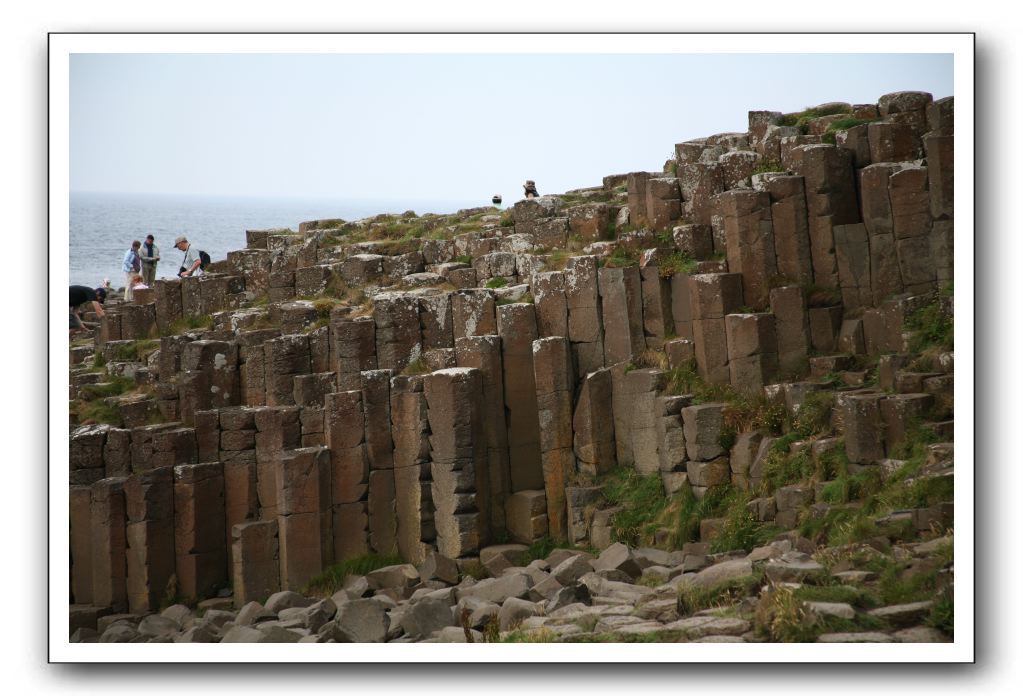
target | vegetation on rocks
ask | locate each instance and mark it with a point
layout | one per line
(333, 578)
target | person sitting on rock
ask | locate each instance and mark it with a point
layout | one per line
(79, 295)
(530, 187)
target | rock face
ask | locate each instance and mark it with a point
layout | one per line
(431, 388)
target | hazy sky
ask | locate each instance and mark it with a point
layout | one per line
(433, 127)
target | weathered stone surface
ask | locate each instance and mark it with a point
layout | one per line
(830, 200)
(721, 573)
(473, 313)
(199, 529)
(702, 426)
(526, 514)
(255, 561)
(149, 506)
(459, 470)
(361, 621)
(592, 439)
(517, 328)
(864, 434)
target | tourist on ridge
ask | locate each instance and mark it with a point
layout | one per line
(530, 187)
(192, 263)
(131, 265)
(79, 295)
(150, 257)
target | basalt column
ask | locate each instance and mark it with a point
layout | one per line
(304, 516)
(376, 401)
(199, 523)
(455, 411)
(484, 354)
(410, 430)
(149, 504)
(517, 327)
(344, 422)
(552, 368)
(585, 328)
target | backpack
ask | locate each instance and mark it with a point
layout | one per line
(204, 260)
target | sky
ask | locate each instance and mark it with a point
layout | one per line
(433, 127)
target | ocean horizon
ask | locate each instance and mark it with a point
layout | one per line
(103, 225)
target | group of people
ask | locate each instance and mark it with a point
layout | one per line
(140, 261)
(139, 268)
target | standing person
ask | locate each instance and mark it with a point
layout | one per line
(191, 264)
(150, 257)
(131, 266)
(530, 187)
(79, 295)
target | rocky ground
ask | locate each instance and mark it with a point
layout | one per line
(782, 591)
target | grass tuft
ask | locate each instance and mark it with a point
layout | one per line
(333, 578)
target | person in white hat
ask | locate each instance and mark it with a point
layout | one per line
(190, 265)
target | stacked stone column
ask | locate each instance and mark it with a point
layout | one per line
(344, 420)
(109, 544)
(304, 519)
(376, 403)
(830, 200)
(199, 529)
(749, 234)
(788, 305)
(286, 357)
(752, 350)
(791, 228)
(484, 354)
(585, 328)
(555, 381)
(149, 506)
(711, 297)
(593, 440)
(517, 328)
(456, 416)
(352, 350)
(551, 304)
(398, 337)
(410, 431)
(621, 302)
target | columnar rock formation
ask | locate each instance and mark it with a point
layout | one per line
(317, 396)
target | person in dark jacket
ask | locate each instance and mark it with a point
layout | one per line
(530, 187)
(79, 295)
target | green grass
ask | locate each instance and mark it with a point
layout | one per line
(333, 578)
(416, 367)
(136, 351)
(676, 262)
(942, 615)
(114, 386)
(932, 325)
(692, 599)
(189, 323)
(541, 548)
(768, 165)
(742, 530)
(814, 415)
(498, 282)
(464, 258)
(620, 257)
(96, 412)
(642, 498)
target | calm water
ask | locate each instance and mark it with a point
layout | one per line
(103, 225)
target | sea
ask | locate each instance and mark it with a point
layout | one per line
(103, 225)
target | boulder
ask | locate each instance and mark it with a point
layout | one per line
(425, 617)
(361, 621)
